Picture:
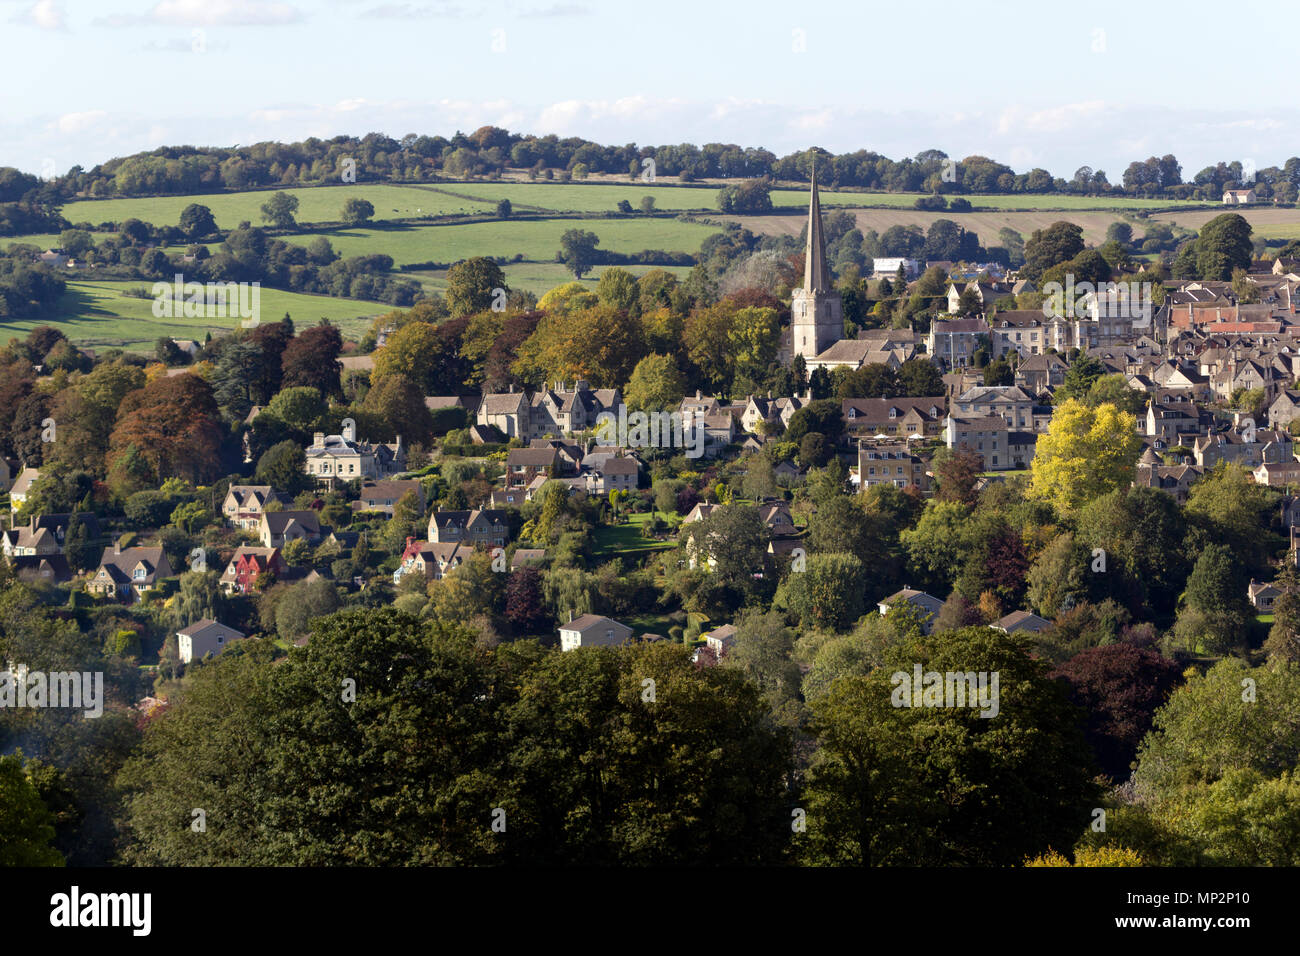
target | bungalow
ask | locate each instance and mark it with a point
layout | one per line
(1263, 595)
(1021, 621)
(592, 630)
(928, 604)
(204, 637)
(523, 557)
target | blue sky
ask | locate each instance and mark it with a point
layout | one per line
(1028, 83)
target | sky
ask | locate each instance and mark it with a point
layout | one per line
(1026, 83)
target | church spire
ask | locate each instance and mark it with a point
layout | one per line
(815, 276)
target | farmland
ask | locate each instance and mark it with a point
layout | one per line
(98, 314)
(539, 277)
(537, 241)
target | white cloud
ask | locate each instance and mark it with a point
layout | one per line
(44, 15)
(72, 123)
(210, 13)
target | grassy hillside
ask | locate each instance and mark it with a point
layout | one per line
(534, 240)
(321, 204)
(539, 277)
(98, 314)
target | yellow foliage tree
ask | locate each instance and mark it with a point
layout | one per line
(568, 297)
(1086, 453)
(1091, 856)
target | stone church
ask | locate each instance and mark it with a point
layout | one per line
(816, 314)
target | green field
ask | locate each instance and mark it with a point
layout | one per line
(97, 314)
(412, 201)
(45, 240)
(315, 204)
(1025, 201)
(539, 277)
(534, 240)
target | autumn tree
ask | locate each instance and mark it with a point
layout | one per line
(1086, 453)
(311, 359)
(169, 428)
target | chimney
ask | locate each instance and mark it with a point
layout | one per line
(512, 388)
(570, 615)
(698, 395)
(318, 439)
(117, 545)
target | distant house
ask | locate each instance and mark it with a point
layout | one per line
(479, 526)
(43, 567)
(592, 630)
(890, 463)
(21, 487)
(337, 458)
(430, 560)
(989, 437)
(1263, 595)
(245, 504)
(559, 410)
(523, 557)
(204, 637)
(505, 411)
(1021, 621)
(126, 573)
(606, 472)
(246, 565)
(892, 417)
(721, 639)
(1277, 474)
(1238, 197)
(382, 496)
(525, 464)
(701, 511)
(927, 603)
(1039, 372)
(278, 528)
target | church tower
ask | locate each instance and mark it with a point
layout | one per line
(816, 313)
